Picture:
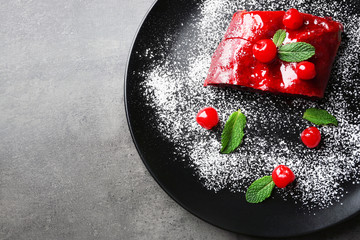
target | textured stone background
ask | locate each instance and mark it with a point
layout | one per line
(68, 167)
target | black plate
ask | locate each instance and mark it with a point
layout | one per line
(273, 218)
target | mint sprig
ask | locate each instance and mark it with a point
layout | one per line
(296, 51)
(260, 190)
(319, 117)
(279, 37)
(292, 52)
(233, 132)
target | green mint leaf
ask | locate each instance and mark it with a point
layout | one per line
(233, 132)
(279, 37)
(260, 190)
(319, 117)
(296, 51)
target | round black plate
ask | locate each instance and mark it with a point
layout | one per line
(274, 218)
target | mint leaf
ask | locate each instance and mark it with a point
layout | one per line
(319, 117)
(296, 51)
(233, 132)
(279, 37)
(260, 190)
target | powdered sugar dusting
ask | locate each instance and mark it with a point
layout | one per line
(175, 91)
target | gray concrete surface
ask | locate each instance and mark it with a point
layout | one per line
(68, 167)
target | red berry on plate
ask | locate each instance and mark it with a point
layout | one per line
(293, 19)
(305, 70)
(311, 137)
(282, 176)
(264, 50)
(207, 118)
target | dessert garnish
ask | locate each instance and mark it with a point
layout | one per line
(319, 117)
(291, 52)
(207, 118)
(261, 189)
(296, 52)
(293, 19)
(282, 176)
(311, 137)
(306, 70)
(233, 132)
(264, 50)
(279, 37)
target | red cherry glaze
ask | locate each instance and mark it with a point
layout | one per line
(207, 118)
(293, 19)
(233, 63)
(264, 50)
(282, 176)
(305, 70)
(311, 137)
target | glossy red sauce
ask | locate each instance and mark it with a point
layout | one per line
(233, 62)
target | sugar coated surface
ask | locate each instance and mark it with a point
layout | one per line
(176, 92)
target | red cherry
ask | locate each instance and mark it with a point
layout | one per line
(282, 176)
(207, 118)
(264, 50)
(311, 137)
(293, 19)
(305, 70)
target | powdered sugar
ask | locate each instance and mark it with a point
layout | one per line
(175, 91)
